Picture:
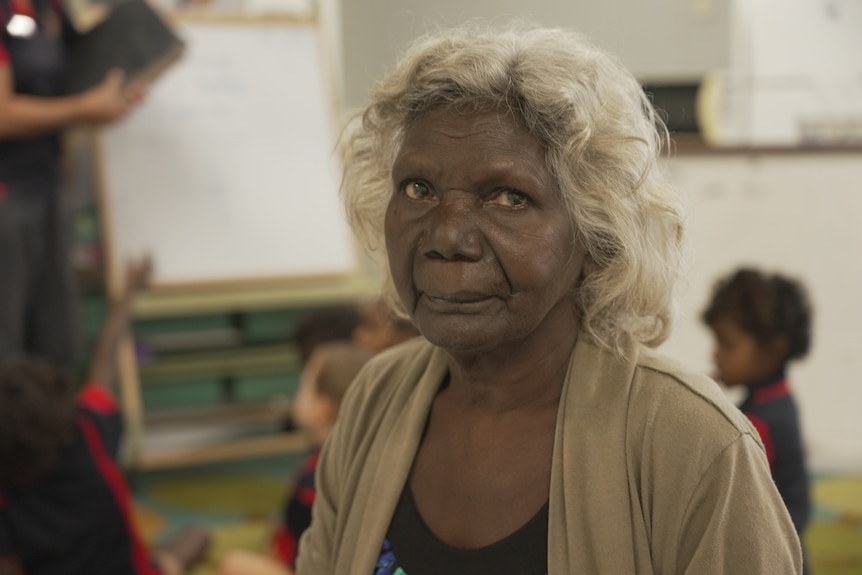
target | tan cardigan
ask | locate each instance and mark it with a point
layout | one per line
(654, 471)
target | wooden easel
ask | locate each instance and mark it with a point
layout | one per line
(225, 285)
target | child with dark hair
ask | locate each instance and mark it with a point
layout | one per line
(65, 508)
(762, 322)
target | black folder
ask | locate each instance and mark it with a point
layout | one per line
(133, 37)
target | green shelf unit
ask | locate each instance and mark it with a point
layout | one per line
(221, 364)
(187, 394)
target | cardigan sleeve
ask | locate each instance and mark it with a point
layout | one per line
(366, 460)
(316, 553)
(735, 522)
(318, 545)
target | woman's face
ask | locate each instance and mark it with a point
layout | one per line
(481, 248)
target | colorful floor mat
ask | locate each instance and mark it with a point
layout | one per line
(241, 505)
(834, 538)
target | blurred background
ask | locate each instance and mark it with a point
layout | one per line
(764, 104)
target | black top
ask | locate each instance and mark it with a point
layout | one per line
(772, 410)
(411, 549)
(77, 520)
(37, 70)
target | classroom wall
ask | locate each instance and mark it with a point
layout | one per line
(797, 78)
(798, 214)
(777, 80)
(672, 40)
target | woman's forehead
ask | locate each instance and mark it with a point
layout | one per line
(482, 128)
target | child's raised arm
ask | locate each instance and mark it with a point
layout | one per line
(137, 278)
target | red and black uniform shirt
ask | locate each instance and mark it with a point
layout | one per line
(78, 519)
(36, 63)
(297, 513)
(772, 410)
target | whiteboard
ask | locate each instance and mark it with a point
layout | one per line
(227, 171)
(800, 215)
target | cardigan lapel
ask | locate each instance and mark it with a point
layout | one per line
(392, 466)
(589, 527)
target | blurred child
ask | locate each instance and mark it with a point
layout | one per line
(333, 323)
(65, 508)
(762, 322)
(325, 379)
(379, 328)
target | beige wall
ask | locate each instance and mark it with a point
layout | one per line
(657, 39)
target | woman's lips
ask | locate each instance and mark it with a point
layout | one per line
(458, 302)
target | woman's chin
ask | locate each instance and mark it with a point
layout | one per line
(460, 342)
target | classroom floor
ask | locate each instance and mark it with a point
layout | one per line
(240, 501)
(834, 538)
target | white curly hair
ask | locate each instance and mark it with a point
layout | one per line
(602, 139)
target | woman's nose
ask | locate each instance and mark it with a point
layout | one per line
(452, 230)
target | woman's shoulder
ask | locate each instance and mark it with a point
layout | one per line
(660, 401)
(390, 378)
(685, 404)
(662, 374)
(388, 368)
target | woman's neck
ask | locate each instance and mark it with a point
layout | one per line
(511, 377)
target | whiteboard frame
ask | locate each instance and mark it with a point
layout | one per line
(114, 265)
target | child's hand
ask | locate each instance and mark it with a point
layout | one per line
(138, 275)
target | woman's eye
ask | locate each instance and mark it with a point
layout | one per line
(510, 199)
(417, 191)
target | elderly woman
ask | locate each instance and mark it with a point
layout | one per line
(510, 178)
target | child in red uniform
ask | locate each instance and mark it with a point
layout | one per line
(327, 374)
(761, 323)
(65, 508)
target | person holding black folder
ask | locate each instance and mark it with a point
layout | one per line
(36, 283)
